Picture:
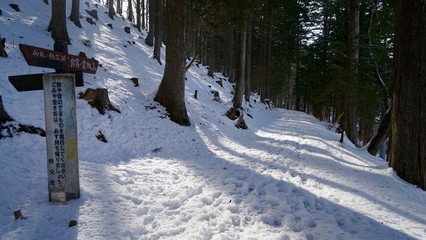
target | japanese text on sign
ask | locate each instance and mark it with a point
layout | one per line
(57, 176)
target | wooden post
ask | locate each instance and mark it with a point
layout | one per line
(61, 137)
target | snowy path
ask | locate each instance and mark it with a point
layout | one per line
(289, 179)
(283, 182)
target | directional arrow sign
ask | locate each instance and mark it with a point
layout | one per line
(33, 82)
(41, 57)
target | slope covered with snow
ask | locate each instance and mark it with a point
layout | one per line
(286, 177)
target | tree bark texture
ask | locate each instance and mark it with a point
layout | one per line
(237, 100)
(211, 55)
(143, 14)
(231, 55)
(381, 135)
(158, 30)
(75, 13)
(265, 51)
(407, 153)
(149, 40)
(247, 88)
(111, 11)
(130, 10)
(171, 92)
(138, 15)
(349, 106)
(119, 7)
(240, 68)
(58, 22)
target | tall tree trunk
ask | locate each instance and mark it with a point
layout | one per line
(149, 40)
(240, 73)
(120, 7)
(297, 70)
(158, 30)
(231, 55)
(266, 47)
(143, 14)
(130, 10)
(58, 22)
(111, 11)
(247, 89)
(211, 54)
(407, 153)
(75, 13)
(171, 92)
(138, 15)
(190, 27)
(349, 106)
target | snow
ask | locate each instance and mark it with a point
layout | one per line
(286, 177)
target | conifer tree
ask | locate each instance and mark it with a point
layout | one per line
(407, 153)
(171, 92)
(75, 13)
(58, 23)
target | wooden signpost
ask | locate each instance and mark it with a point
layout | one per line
(61, 62)
(60, 114)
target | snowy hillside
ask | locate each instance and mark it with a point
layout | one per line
(286, 177)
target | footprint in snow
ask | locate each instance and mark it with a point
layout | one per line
(122, 180)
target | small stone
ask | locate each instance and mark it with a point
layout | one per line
(127, 29)
(15, 7)
(72, 223)
(90, 20)
(17, 214)
(93, 13)
(135, 81)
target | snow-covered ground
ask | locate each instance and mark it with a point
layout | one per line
(286, 177)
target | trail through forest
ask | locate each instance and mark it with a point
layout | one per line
(286, 177)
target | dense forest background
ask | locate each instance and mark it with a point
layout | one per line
(358, 63)
(332, 59)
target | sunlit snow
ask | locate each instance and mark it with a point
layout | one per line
(286, 177)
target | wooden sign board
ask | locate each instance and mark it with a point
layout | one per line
(61, 137)
(40, 57)
(33, 82)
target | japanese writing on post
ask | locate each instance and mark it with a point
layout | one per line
(56, 162)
